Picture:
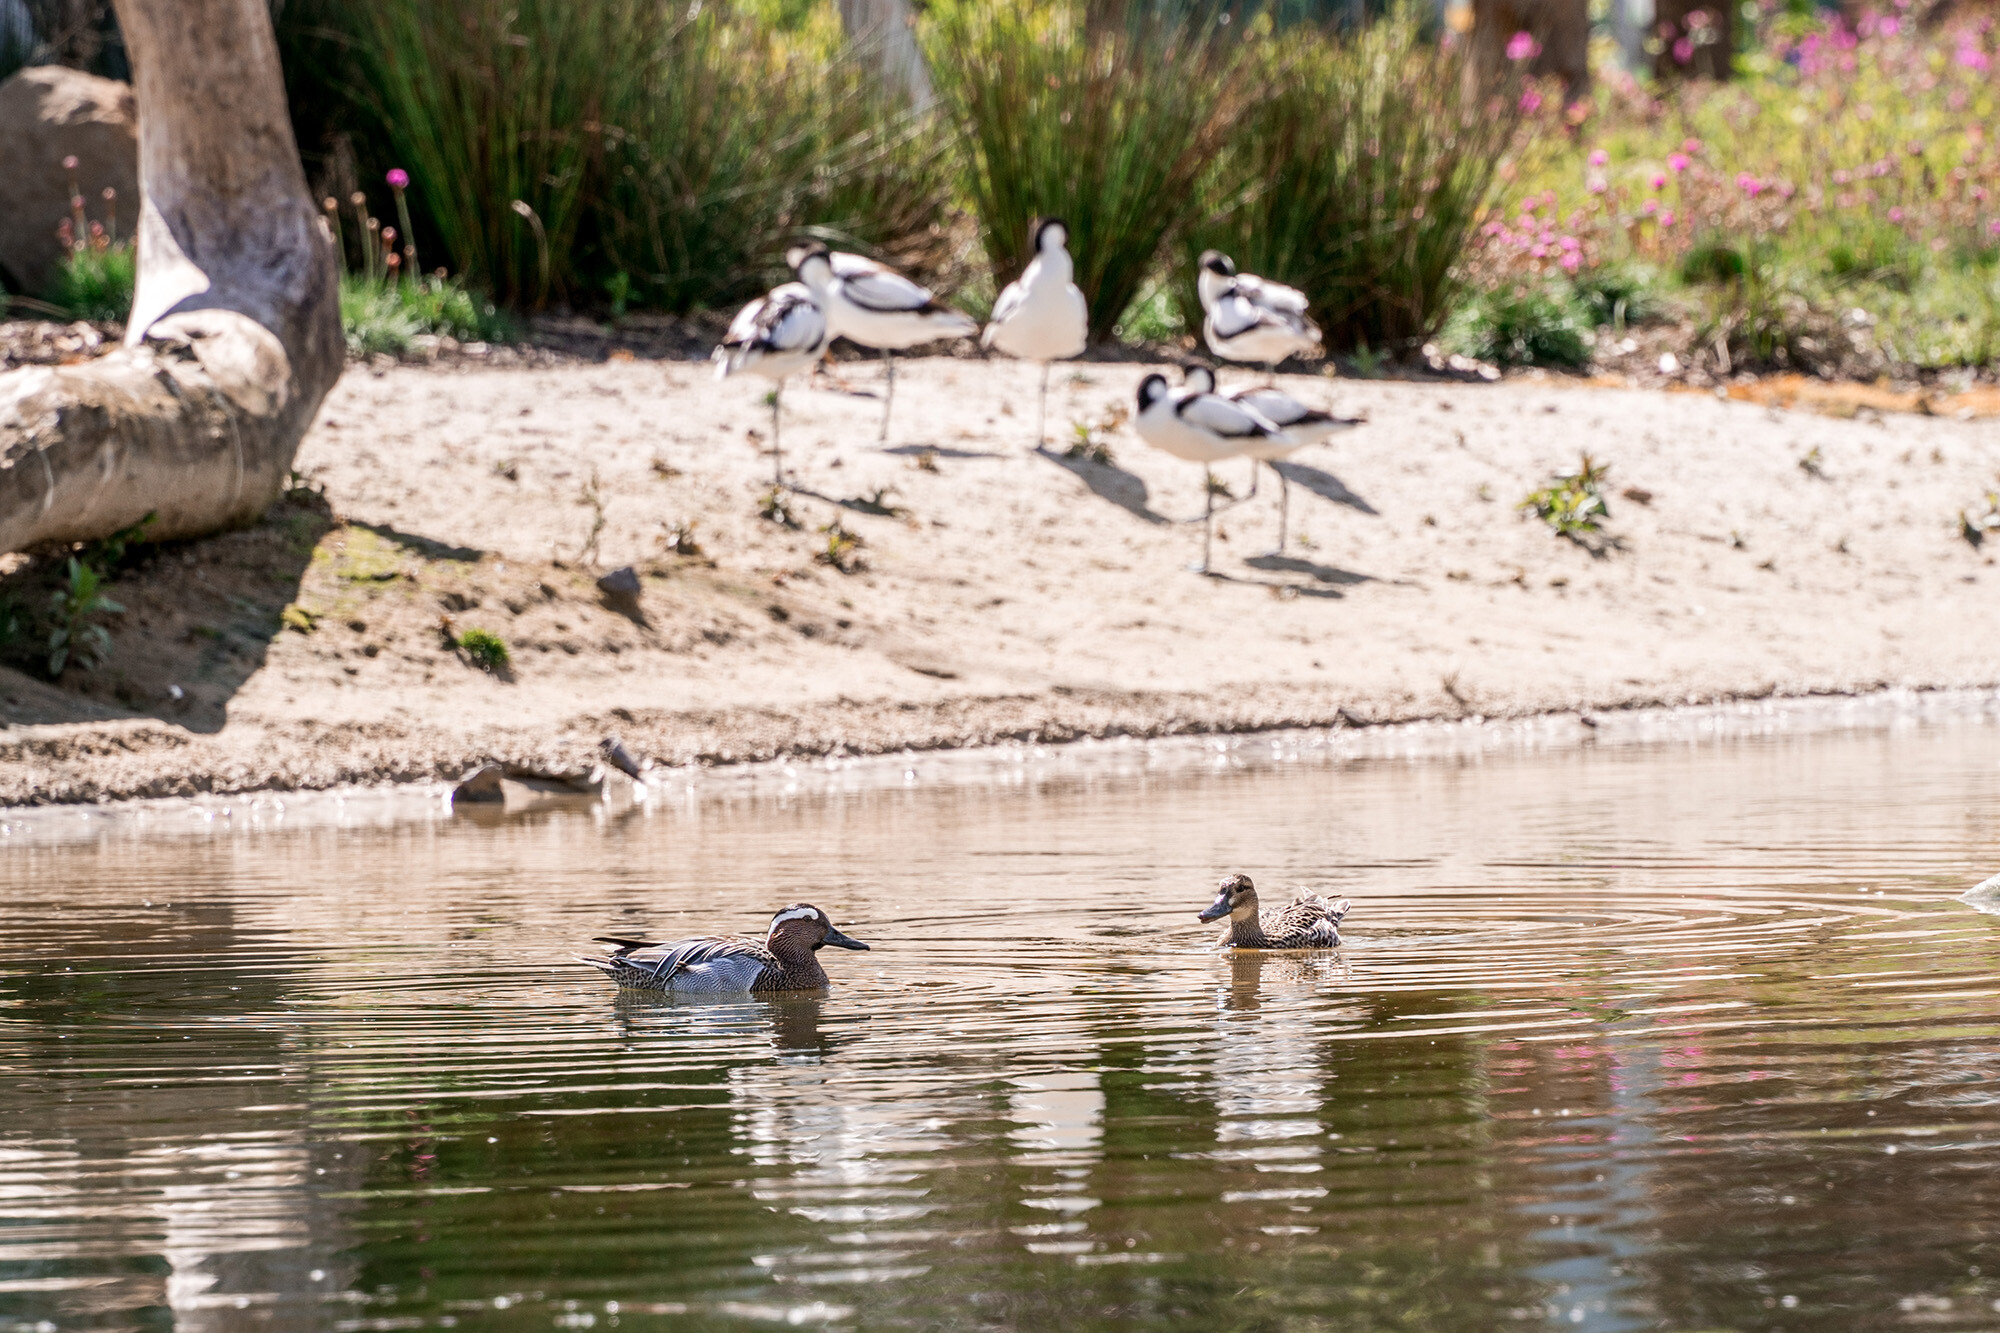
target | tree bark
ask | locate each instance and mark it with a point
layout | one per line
(883, 29)
(1561, 29)
(235, 335)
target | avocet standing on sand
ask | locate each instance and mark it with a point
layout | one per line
(780, 332)
(1248, 318)
(1302, 426)
(871, 304)
(1203, 428)
(1042, 315)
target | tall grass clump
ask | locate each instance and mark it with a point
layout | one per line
(1105, 113)
(388, 315)
(1359, 177)
(655, 155)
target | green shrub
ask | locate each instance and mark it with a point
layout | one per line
(1358, 178)
(1105, 113)
(95, 282)
(1617, 295)
(387, 316)
(1526, 326)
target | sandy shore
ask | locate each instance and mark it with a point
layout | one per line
(1001, 593)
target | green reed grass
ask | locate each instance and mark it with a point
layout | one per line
(665, 155)
(1105, 113)
(1358, 178)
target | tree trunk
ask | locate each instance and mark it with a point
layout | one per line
(235, 331)
(1696, 39)
(882, 28)
(1560, 28)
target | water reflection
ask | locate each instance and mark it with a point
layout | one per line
(1688, 1038)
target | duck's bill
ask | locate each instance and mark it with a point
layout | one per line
(1218, 908)
(844, 941)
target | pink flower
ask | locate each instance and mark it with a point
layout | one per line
(1749, 184)
(1678, 163)
(1667, 218)
(69, 163)
(1571, 262)
(1889, 27)
(399, 179)
(1972, 57)
(1599, 158)
(1691, 146)
(1659, 180)
(1522, 47)
(1540, 252)
(1993, 227)
(1571, 244)
(1895, 215)
(1598, 185)
(1652, 207)
(1683, 51)
(1531, 101)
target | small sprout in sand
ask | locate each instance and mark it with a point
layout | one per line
(776, 506)
(1573, 505)
(1812, 464)
(664, 470)
(843, 549)
(296, 617)
(301, 489)
(679, 538)
(73, 639)
(1217, 486)
(1091, 442)
(925, 461)
(507, 470)
(1973, 525)
(484, 649)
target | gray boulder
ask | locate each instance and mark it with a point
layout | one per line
(51, 113)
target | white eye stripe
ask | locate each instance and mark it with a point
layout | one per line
(795, 914)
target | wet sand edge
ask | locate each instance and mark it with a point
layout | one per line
(151, 773)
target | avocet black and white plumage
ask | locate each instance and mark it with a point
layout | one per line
(785, 959)
(873, 305)
(1302, 426)
(780, 332)
(1248, 318)
(1041, 315)
(1203, 428)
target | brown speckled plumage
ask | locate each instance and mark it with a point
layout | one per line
(1309, 921)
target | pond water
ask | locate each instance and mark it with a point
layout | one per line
(1675, 1036)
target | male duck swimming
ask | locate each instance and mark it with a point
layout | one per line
(786, 959)
(1307, 922)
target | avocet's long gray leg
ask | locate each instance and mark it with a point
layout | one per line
(889, 395)
(1042, 409)
(1284, 507)
(777, 455)
(1208, 513)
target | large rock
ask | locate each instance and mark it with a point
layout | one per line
(51, 113)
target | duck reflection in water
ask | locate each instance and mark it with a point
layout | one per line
(791, 1022)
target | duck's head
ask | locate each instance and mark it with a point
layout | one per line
(1213, 274)
(803, 928)
(1235, 899)
(1151, 390)
(1050, 234)
(1198, 377)
(813, 262)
